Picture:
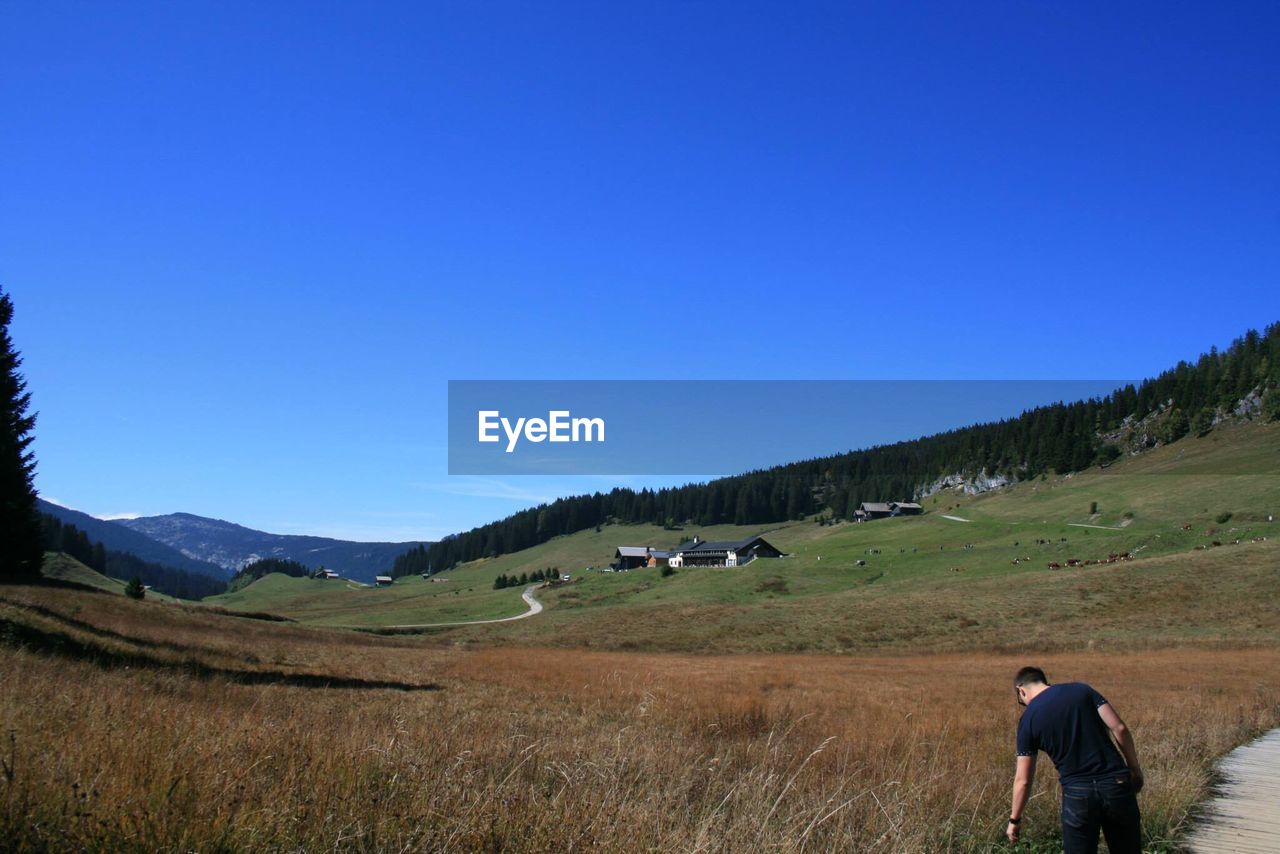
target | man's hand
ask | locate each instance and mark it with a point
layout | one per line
(1022, 780)
(1138, 779)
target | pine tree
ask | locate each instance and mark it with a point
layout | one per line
(134, 589)
(21, 540)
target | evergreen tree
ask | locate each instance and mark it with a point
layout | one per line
(1271, 404)
(1202, 422)
(21, 541)
(134, 589)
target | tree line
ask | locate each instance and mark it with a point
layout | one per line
(59, 536)
(503, 581)
(1060, 438)
(253, 571)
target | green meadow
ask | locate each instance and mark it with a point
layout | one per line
(927, 581)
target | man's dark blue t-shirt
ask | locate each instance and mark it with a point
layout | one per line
(1063, 721)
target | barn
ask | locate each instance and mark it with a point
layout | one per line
(875, 510)
(634, 557)
(631, 557)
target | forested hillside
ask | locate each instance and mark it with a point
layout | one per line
(266, 566)
(116, 537)
(64, 537)
(1064, 437)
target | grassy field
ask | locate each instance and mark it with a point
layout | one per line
(648, 713)
(141, 726)
(929, 582)
(465, 594)
(66, 568)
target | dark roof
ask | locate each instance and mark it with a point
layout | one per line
(717, 545)
(876, 507)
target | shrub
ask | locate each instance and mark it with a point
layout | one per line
(134, 589)
(1175, 426)
(1223, 518)
(1093, 508)
(1271, 404)
(1109, 453)
(1202, 423)
(667, 571)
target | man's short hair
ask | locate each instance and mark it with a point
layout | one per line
(1030, 676)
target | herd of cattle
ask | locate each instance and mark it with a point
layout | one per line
(1114, 557)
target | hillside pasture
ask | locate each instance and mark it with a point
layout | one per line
(928, 582)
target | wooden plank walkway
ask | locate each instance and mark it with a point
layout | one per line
(1245, 815)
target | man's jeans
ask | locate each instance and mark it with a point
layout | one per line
(1108, 804)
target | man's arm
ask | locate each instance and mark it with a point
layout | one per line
(1124, 740)
(1022, 780)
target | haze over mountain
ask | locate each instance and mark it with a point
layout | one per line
(120, 538)
(231, 546)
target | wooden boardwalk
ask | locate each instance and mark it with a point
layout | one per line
(1245, 815)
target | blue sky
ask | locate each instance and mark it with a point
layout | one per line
(249, 244)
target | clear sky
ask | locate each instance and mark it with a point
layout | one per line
(249, 243)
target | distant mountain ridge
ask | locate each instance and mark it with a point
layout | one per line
(231, 546)
(119, 538)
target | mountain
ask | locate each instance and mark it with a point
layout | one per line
(231, 546)
(119, 538)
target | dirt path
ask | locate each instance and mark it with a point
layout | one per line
(956, 518)
(1101, 527)
(1245, 815)
(535, 607)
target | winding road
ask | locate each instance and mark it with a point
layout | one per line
(535, 607)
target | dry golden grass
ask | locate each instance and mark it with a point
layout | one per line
(141, 727)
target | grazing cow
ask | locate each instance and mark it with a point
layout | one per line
(1055, 565)
(957, 569)
(861, 563)
(1259, 539)
(1216, 543)
(1073, 562)
(1186, 527)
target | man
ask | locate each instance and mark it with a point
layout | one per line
(1074, 724)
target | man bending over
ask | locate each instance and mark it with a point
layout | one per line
(1074, 724)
